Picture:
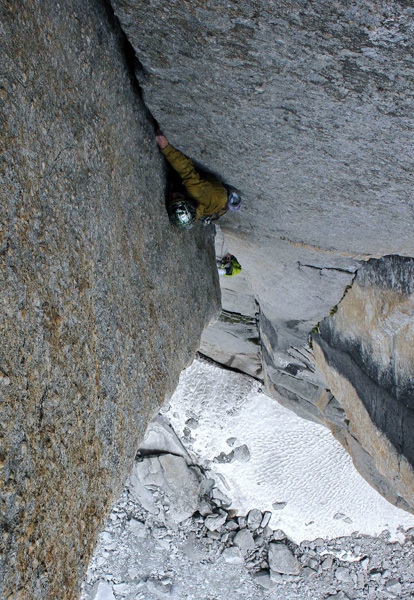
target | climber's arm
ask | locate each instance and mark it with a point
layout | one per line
(196, 187)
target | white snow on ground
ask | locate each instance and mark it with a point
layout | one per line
(292, 461)
(278, 459)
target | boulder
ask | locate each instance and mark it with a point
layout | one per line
(103, 591)
(343, 574)
(282, 560)
(176, 482)
(161, 438)
(137, 528)
(254, 519)
(215, 521)
(244, 540)
(393, 586)
(262, 578)
(233, 556)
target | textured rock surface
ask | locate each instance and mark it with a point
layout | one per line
(175, 481)
(366, 354)
(100, 307)
(308, 109)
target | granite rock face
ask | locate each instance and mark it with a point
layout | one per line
(234, 339)
(308, 110)
(100, 306)
(366, 353)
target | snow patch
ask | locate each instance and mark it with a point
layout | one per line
(294, 464)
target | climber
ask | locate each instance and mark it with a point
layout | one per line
(228, 266)
(203, 198)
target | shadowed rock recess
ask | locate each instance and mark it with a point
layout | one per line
(100, 306)
(307, 108)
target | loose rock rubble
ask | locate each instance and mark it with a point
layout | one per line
(173, 534)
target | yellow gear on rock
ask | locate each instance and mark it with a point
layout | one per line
(235, 267)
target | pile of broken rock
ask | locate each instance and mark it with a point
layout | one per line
(174, 534)
(171, 487)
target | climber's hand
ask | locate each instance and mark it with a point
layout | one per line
(161, 140)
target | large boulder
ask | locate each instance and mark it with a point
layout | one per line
(172, 478)
(103, 303)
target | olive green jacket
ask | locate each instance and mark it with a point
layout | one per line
(210, 194)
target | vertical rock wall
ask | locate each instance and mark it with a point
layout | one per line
(366, 352)
(102, 302)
